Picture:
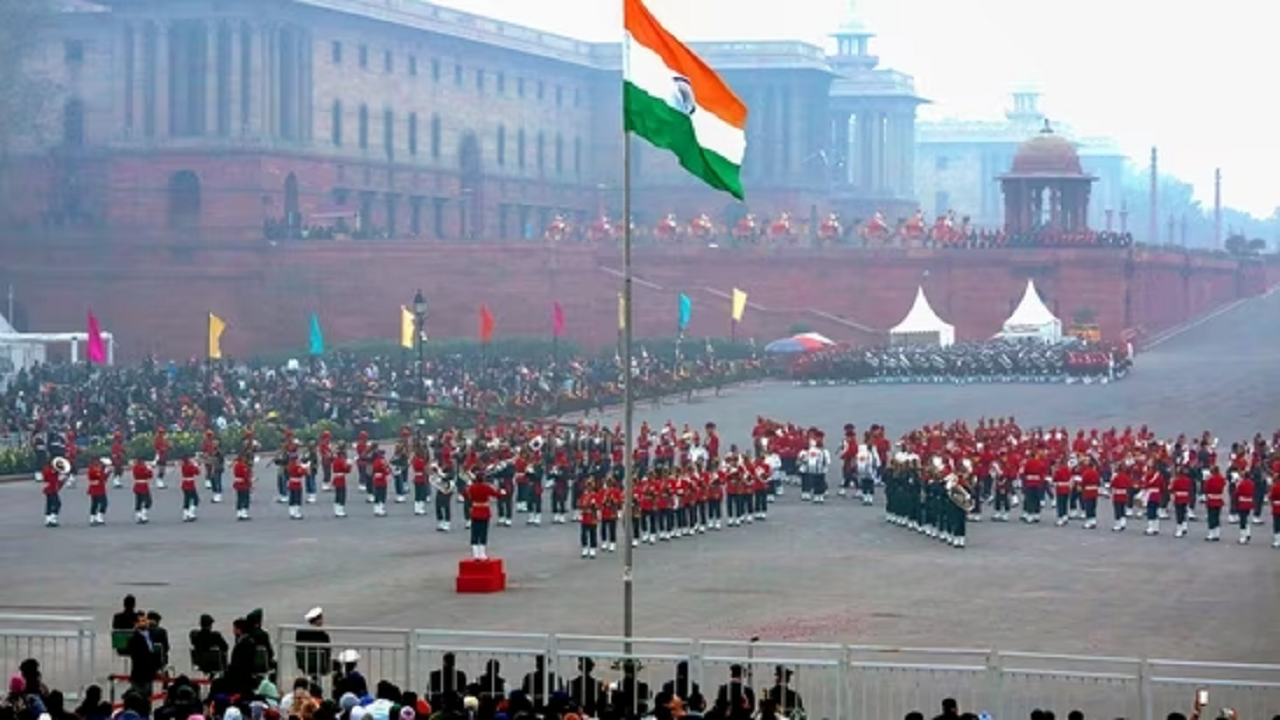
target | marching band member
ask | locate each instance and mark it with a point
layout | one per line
(326, 460)
(97, 491)
(1090, 487)
(1033, 477)
(71, 452)
(218, 467)
(814, 465)
(339, 469)
(480, 493)
(161, 445)
(380, 474)
(364, 458)
(1215, 498)
(297, 471)
(1063, 482)
(610, 506)
(400, 465)
(848, 460)
(1121, 492)
(1152, 488)
(242, 484)
(312, 463)
(1182, 489)
(1003, 474)
(419, 466)
(867, 467)
(588, 507)
(281, 460)
(1244, 503)
(206, 452)
(190, 472)
(1274, 496)
(535, 473)
(142, 476)
(52, 478)
(758, 472)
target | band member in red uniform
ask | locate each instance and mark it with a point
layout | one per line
(1182, 488)
(588, 519)
(1153, 488)
(1090, 484)
(1215, 498)
(1244, 503)
(98, 491)
(1274, 496)
(1121, 486)
(481, 494)
(340, 468)
(610, 507)
(712, 442)
(1033, 478)
(297, 471)
(161, 445)
(142, 476)
(242, 483)
(1062, 486)
(51, 479)
(418, 467)
(73, 450)
(380, 472)
(190, 472)
(326, 460)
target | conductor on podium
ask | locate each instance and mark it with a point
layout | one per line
(481, 494)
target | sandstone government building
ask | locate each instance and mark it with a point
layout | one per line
(213, 117)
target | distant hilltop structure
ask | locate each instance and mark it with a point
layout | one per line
(958, 163)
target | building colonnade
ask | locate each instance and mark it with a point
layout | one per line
(874, 150)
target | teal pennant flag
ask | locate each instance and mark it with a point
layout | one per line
(317, 337)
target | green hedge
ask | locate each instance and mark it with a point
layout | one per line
(522, 348)
(21, 460)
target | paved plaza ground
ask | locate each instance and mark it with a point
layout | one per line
(833, 573)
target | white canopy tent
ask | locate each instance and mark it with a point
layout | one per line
(1031, 320)
(922, 326)
(22, 350)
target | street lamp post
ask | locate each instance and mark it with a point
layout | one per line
(420, 319)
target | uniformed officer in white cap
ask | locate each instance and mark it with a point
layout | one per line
(313, 646)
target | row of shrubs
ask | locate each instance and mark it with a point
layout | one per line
(535, 349)
(22, 460)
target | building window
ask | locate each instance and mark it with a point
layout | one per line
(363, 128)
(480, 81)
(435, 137)
(335, 52)
(335, 123)
(577, 97)
(559, 154)
(541, 152)
(520, 149)
(388, 62)
(941, 162)
(364, 56)
(413, 65)
(542, 90)
(457, 74)
(73, 124)
(74, 50)
(519, 87)
(389, 133)
(577, 157)
(559, 96)
(502, 145)
(413, 133)
(435, 70)
(502, 83)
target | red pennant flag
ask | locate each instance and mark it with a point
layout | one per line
(486, 324)
(557, 320)
(97, 349)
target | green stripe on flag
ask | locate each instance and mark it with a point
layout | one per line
(668, 128)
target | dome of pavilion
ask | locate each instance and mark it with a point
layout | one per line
(1047, 154)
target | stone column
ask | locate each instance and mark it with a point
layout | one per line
(863, 165)
(306, 101)
(265, 69)
(139, 79)
(162, 89)
(838, 154)
(906, 168)
(234, 70)
(126, 65)
(891, 149)
(213, 81)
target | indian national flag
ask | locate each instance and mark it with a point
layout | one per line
(675, 101)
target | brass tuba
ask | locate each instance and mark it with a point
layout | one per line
(62, 466)
(959, 494)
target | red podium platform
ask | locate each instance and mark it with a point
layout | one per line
(481, 576)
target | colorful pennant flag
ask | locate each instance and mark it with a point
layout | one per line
(739, 304)
(317, 337)
(487, 324)
(557, 320)
(97, 349)
(686, 312)
(406, 328)
(216, 326)
(673, 99)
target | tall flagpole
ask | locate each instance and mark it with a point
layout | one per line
(628, 405)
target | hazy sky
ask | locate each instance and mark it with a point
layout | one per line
(1193, 81)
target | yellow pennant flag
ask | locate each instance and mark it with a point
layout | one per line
(216, 326)
(739, 304)
(406, 328)
(622, 312)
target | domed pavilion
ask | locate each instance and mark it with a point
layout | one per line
(1047, 187)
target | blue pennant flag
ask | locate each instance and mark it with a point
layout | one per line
(317, 337)
(686, 311)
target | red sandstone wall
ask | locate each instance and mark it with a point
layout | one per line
(155, 296)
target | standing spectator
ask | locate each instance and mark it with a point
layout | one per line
(242, 669)
(313, 646)
(159, 638)
(144, 659)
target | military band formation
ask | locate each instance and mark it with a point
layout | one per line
(936, 480)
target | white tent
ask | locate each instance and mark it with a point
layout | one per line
(922, 326)
(1031, 320)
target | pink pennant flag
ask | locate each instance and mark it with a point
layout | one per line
(557, 320)
(97, 350)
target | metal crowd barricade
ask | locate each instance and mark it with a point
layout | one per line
(816, 672)
(1097, 686)
(63, 644)
(657, 659)
(889, 682)
(385, 653)
(1252, 690)
(513, 658)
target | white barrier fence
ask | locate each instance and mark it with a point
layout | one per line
(834, 681)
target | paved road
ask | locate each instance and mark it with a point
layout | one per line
(832, 573)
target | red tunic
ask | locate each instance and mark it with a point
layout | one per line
(340, 467)
(297, 474)
(142, 478)
(611, 504)
(97, 480)
(243, 474)
(1154, 486)
(1120, 485)
(1089, 484)
(1181, 488)
(589, 504)
(190, 471)
(480, 494)
(52, 483)
(1275, 498)
(1062, 480)
(381, 471)
(419, 470)
(1244, 495)
(1215, 491)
